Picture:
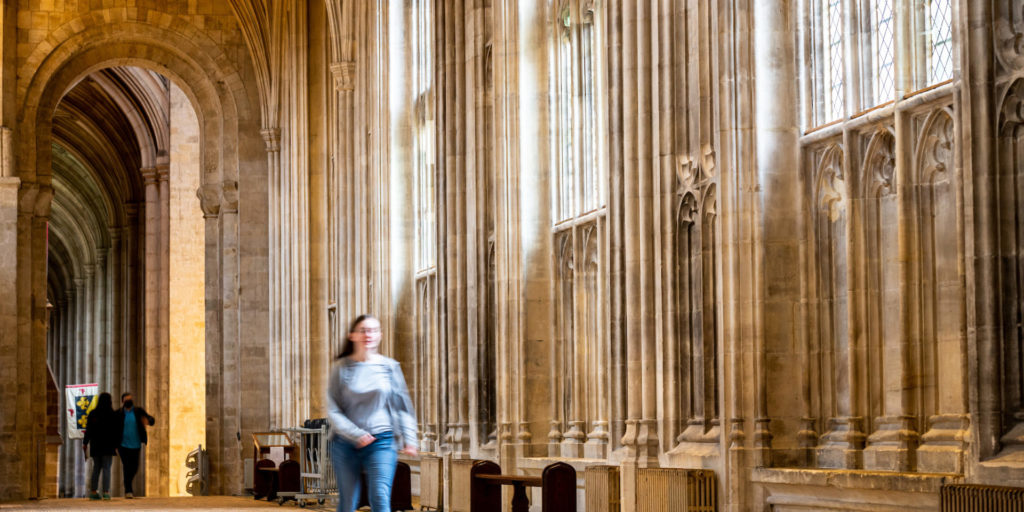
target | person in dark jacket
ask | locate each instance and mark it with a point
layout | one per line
(102, 437)
(133, 421)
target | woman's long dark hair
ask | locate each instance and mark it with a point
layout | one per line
(104, 403)
(347, 351)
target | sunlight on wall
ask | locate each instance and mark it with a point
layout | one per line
(187, 307)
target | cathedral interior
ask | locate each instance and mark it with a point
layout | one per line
(779, 242)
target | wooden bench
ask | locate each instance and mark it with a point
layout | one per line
(557, 487)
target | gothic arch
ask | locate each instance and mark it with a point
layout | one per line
(222, 101)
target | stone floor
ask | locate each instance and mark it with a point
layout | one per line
(201, 504)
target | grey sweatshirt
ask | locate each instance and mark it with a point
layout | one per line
(370, 397)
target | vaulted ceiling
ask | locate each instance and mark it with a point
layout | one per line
(110, 125)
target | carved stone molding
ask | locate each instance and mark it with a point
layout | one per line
(1009, 38)
(229, 192)
(842, 447)
(209, 200)
(344, 75)
(829, 184)
(272, 139)
(880, 164)
(148, 175)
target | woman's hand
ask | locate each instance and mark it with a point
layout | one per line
(410, 451)
(365, 441)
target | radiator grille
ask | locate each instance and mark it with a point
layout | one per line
(602, 488)
(676, 490)
(981, 498)
(431, 495)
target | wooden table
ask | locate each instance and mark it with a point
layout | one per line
(557, 484)
(519, 483)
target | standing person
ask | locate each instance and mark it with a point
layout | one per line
(370, 413)
(102, 436)
(133, 435)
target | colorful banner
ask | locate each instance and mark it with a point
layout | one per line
(81, 400)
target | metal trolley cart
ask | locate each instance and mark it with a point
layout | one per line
(315, 469)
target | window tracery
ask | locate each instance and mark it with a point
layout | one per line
(579, 415)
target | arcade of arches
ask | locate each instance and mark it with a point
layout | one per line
(778, 240)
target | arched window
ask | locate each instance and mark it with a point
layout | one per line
(428, 352)
(879, 75)
(861, 54)
(579, 414)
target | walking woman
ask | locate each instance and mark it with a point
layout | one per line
(371, 415)
(102, 437)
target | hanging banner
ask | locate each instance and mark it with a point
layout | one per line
(80, 400)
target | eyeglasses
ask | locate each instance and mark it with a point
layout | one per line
(371, 330)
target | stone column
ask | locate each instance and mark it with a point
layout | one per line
(234, 411)
(133, 306)
(66, 473)
(150, 374)
(115, 317)
(89, 342)
(9, 241)
(216, 443)
(101, 340)
(159, 447)
(77, 357)
(280, 306)
(777, 159)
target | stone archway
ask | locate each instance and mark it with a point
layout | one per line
(173, 47)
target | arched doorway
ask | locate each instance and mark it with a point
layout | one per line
(166, 48)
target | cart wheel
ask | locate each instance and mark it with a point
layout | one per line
(280, 501)
(302, 504)
(320, 501)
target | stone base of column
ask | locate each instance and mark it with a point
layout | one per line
(597, 441)
(572, 441)
(893, 445)
(944, 444)
(843, 446)
(698, 444)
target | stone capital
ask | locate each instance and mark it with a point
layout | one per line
(229, 192)
(272, 138)
(9, 182)
(131, 209)
(148, 175)
(344, 75)
(163, 172)
(209, 200)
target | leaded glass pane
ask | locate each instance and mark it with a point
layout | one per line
(940, 59)
(884, 83)
(835, 91)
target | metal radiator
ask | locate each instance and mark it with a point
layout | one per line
(431, 482)
(980, 498)
(601, 484)
(676, 490)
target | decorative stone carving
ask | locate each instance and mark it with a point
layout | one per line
(209, 200)
(1009, 37)
(229, 193)
(344, 75)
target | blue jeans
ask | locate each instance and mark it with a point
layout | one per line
(377, 460)
(100, 463)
